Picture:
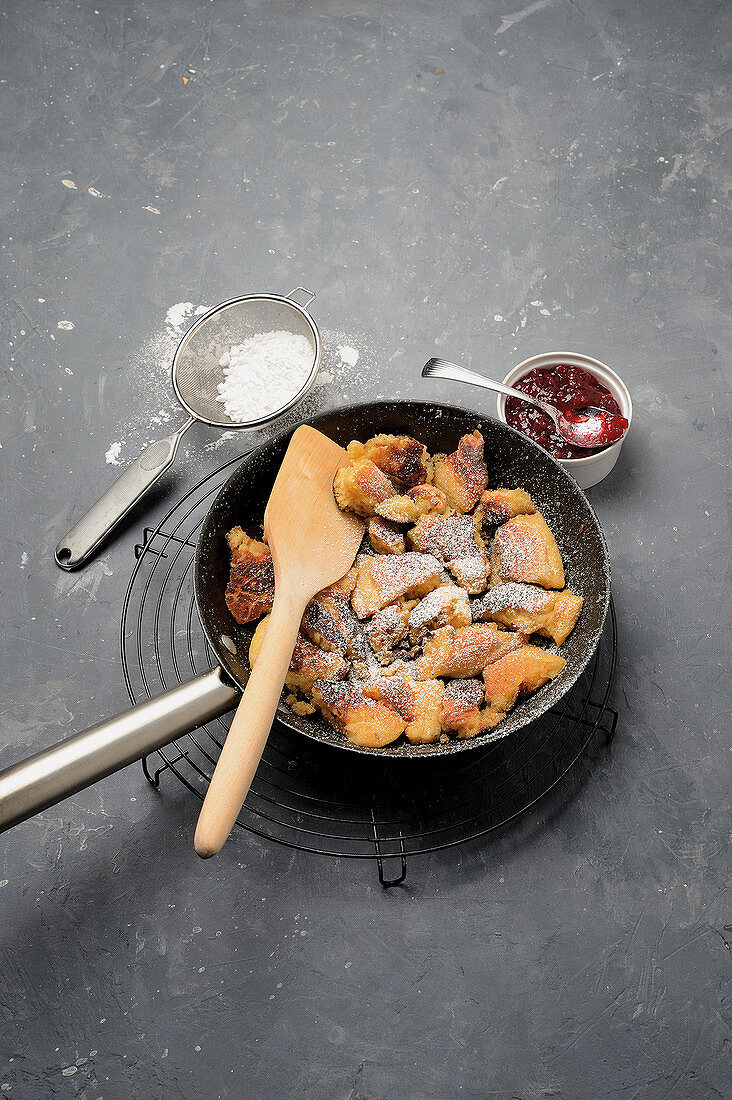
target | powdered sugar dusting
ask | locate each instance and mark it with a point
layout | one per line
(523, 597)
(433, 609)
(154, 404)
(180, 313)
(112, 455)
(349, 356)
(466, 693)
(263, 374)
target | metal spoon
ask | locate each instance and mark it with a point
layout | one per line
(588, 426)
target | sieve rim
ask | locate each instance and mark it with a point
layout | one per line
(261, 421)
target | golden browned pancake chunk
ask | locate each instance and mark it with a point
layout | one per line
(403, 459)
(301, 707)
(385, 537)
(418, 702)
(429, 498)
(524, 670)
(444, 606)
(462, 712)
(382, 579)
(498, 505)
(345, 584)
(423, 500)
(530, 609)
(524, 549)
(361, 486)
(454, 539)
(386, 629)
(308, 663)
(364, 721)
(250, 591)
(329, 621)
(464, 653)
(462, 476)
(461, 705)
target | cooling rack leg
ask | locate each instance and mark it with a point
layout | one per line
(387, 882)
(154, 779)
(380, 857)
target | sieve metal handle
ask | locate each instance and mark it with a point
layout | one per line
(311, 296)
(61, 770)
(86, 535)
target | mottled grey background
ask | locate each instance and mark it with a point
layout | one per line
(481, 181)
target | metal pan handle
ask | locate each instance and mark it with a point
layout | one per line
(55, 773)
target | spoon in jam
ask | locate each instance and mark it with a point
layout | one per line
(585, 426)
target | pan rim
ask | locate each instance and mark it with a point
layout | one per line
(436, 749)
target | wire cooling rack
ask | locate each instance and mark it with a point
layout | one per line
(313, 797)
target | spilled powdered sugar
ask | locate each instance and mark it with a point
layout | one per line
(112, 455)
(152, 400)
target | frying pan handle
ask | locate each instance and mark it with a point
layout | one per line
(53, 774)
(86, 535)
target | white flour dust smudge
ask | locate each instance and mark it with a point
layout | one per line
(346, 359)
(152, 402)
(216, 443)
(349, 355)
(182, 312)
(112, 455)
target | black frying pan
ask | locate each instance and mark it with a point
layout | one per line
(513, 460)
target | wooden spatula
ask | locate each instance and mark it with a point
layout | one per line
(313, 545)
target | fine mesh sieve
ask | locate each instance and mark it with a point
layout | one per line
(196, 376)
(196, 370)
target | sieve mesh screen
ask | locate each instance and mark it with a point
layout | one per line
(196, 370)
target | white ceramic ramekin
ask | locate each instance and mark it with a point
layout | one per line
(585, 471)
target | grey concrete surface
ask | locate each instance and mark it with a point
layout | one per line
(481, 181)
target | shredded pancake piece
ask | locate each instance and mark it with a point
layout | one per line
(462, 713)
(463, 653)
(403, 460)
(387, 628)
(382, 579)
(498, 505)
(524, 549)
(524, 670)
(454, 539)
(364, 721)
(361, 486)
(385, 537)
(463, 475)
(418, 702)
(250, 591)
(444, 606)
(530, 609)
(421, 501)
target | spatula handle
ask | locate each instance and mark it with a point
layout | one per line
(248, 733)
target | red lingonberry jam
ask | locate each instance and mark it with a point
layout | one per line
(567, 388)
